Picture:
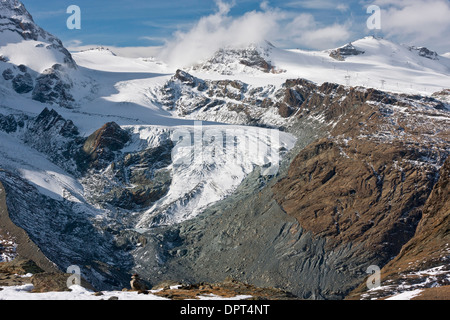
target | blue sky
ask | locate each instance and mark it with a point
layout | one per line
(306, 24)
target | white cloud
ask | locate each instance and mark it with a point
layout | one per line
(419, 22)
(73, 43)
(325, 38)
(318, 4)
(306, 32)
(342, 7)
(220, 30)
(217, 31)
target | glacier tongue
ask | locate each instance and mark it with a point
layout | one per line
(209, 163)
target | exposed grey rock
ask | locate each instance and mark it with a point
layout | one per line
(425, 52)
(22, 68)
(134, 181)
(53, 85)
(348, 50)
(52, 88)
(255, 57)
(54, 136)
(216, 100)
(8, 74)
(22, 83)
(8, 123)
(66, 235)
(249, 237)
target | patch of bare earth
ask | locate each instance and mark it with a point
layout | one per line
(227, 289)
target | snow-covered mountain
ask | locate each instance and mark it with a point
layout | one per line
(133, 164)
(370, 62)
(25, 43)
(34, 63)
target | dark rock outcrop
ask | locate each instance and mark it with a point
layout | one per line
(8, 123)
(254, 57)
(100, 146)
(51, 88)
(8, 74)
(45, 221)
(22, 83)
(348, 50)
(425, 52)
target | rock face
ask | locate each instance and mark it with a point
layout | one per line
(133, 182)
(80, 242)
(251, 59)
(348, 50)
(16, 19)
(351, 194)
(101, 145)
(345, 199)
(27, 255)
(85, 241)
(53, 87)
(8, 74)
(428, 249)
(233, 101)
(425, 52)
(222, 100)
(48, 133)
(22, 83)
(8, 123)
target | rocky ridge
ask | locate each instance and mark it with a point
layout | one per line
(226, 61)
(236, 102)
(348, 50)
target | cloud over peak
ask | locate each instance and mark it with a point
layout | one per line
(221, 29)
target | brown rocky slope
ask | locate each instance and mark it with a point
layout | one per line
(428, 249)
(369, 183)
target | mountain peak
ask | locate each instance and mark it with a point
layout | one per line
(14, 9)
(33, 62)
(254, 57)
(345, 51)
(18, 25)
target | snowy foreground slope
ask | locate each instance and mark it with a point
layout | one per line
(80, 293)
(121, 165)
